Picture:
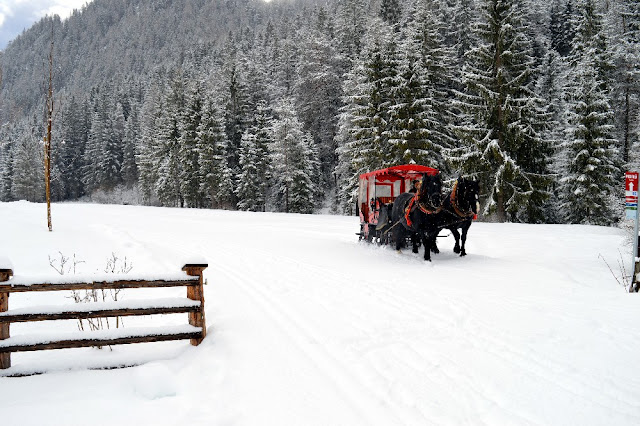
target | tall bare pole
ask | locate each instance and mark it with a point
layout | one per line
(47, 139)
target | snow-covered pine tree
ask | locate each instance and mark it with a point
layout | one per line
(248, 188)
(362, 143)
(92, 171)
(550, 86)
(373, 124)
(461, 17)
(592, 172)
(318, 92)
(146, 149)
(351, 25)
(70, 158)
(590, 39)
(111, 157)
(591, 153)
(423, 109)
(264, 142)
(504, 145)
(131, 135)
(188, 152)
(391, 12)
(237, 111)
(561, 26)
(626, 83)
(28, 174)
(7, 140)
(6, 165)
(293, 162)
(215, 175)
(304, 185)
(226, 187)
(168, 185)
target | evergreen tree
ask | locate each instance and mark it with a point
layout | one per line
(318, 92)
(189, 154)
(370, 141)
(215, 174)
(592, 173)
(237, 113)
(390, 12)
(130, 142)
(248, 189)
(264, 142)
(423, 101)
(357, 133)
(28, 173)
(111, 156)
(350, 27)
(590, 40)
(293, 161)
(550, 86)
(146, 150)
(504, 147)
(591, 155)
(561, 26)
(6, 164)
(168, 185)
(304, 184)
(460, 17)
(92, 177)
(70, 158)
(626, 93)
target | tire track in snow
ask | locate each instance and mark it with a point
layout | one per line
(360, 398)
(413, 411)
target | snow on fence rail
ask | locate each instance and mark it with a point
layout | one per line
(193, 305)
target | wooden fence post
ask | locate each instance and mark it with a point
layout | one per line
(196, 292)
(5, 359)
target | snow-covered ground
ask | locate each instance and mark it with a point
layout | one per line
(306, 326)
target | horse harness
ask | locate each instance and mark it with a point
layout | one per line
(415, 203)
(454, 204)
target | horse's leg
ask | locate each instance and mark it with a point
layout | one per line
(427, 245)
(434, 242)
(398, 235)
(456, 235)
(465, 228)
(414, 241)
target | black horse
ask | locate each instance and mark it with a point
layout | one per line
(413, 215)
(458, 209)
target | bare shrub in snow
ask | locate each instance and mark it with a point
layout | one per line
(65, 265)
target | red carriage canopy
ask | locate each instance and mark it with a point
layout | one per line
(399, 172)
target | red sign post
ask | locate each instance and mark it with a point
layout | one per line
(631, 194)
(631, 209)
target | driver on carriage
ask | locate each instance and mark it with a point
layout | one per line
(415, 186)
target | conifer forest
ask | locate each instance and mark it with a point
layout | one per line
(281, 105)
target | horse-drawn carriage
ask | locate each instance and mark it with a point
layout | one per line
(377, 192)
(405, 203)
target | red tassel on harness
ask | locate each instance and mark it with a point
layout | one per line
(407, 211)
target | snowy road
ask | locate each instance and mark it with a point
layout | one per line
(309, 327)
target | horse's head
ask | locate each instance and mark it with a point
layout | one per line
(468, 194)
(431, 189)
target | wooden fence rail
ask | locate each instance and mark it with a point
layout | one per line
(193, 305)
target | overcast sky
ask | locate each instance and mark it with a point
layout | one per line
(18, 15)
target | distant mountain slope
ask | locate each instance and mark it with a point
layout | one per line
(108, 38)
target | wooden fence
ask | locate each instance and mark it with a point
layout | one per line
(193, 305)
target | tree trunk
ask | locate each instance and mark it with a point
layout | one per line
(47, 140)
